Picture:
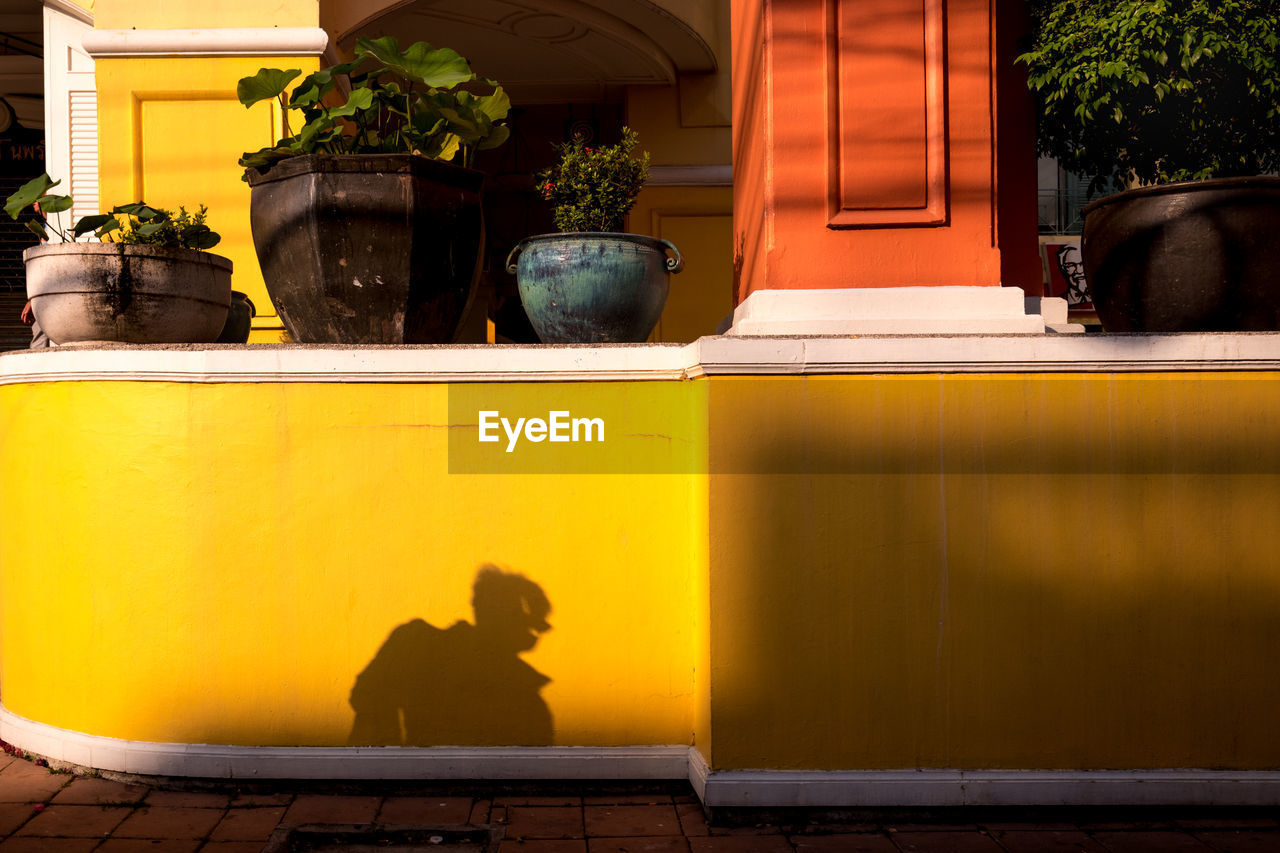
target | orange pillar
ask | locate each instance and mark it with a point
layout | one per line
(866, 146)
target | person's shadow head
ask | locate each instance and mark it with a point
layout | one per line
(510, 610)
(465, 685)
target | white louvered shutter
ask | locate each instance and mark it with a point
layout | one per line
(71, 111)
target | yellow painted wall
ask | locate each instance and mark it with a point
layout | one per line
(1020, 571)
(218, 563)
(1061, 571)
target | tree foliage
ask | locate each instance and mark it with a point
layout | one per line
(1157, 90)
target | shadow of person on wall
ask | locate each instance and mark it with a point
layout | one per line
(463, 685)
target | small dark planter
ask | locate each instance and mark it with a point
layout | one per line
(1199, 256)
(368, 248)
(592, 287)
(239, 320)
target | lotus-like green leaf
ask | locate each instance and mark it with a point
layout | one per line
(315, 86)
(201, 237)
(440, 68)
(27, 194)
(496, 105)
(496, 137)
(141, 211)
(360, 99)
(267, 83)
(108, 227)
(91, 223)
(54, 203)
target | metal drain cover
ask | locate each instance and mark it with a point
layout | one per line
(370, 838)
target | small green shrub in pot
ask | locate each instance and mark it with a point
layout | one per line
(1178, 100)
(590, 284)
(593, 188)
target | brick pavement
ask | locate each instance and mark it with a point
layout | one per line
(46, 812)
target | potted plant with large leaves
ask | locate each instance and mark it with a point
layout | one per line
(590, 283)
(367, 220)
(1177, 103)
(151, 279)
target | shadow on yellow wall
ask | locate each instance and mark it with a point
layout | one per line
(465, 684)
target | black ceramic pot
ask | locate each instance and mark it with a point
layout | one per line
(368, 248)
(239, 320)
(1199, 256)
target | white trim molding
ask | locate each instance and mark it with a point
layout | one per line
(70, 9)
(716, 788)
(951, 788)
(711, 356)
(214, 761)
(231, 41)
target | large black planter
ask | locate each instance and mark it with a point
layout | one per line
(368, 249)
(1200, 256)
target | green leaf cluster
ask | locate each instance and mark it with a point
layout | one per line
(421, 100)
(1155, 91)
(130, 224)
(149, 226)
(591, 189)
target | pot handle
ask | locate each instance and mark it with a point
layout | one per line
(511, 258)
(675, 264)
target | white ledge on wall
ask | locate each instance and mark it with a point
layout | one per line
(710, 356)
(237, 41)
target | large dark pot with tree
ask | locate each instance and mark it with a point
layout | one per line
(1179, 99)
(367, 223)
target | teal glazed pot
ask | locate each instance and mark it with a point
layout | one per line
(588, 287)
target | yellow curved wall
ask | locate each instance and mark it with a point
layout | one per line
(218, 563)
(972, 571)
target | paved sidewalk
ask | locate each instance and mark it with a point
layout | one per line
(46, 812)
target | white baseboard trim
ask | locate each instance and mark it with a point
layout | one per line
(716, 788)
(951, 788)
(213, 761)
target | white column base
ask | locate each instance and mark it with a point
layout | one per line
(899, 311)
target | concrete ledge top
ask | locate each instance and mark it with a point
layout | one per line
(709, 356)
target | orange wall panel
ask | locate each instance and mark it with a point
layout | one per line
(865, 143)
